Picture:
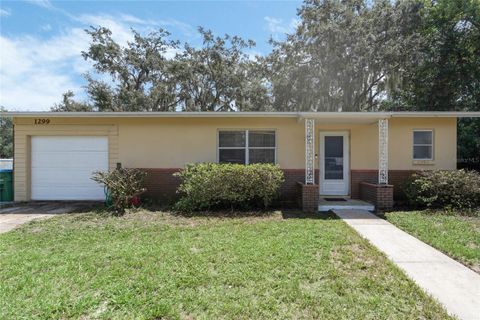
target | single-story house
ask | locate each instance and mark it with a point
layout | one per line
(358, 155)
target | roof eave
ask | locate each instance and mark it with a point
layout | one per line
(299, 115)
(28, 114)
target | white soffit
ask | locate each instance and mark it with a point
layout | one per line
(326, 117)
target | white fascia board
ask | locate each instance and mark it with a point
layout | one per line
(437, 114)
(300, 115)
(212, 114)
(345, 115)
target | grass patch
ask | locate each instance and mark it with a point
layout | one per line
(457, 236)
(153, 265)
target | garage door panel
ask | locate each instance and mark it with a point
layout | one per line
(62, 167)
(69, 143)
(50, 177)
(70, 193)
(73, 159)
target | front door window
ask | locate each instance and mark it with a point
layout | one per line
(333, 158)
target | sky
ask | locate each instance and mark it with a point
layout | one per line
(41, 41)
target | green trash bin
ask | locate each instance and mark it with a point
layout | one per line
(6, 185)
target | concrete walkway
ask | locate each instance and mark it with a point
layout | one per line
(11, 221)
(454, 285)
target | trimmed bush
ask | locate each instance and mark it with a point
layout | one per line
(207, 186)
(124, 187)
(455, 189)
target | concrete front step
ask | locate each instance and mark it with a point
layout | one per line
(348, 204)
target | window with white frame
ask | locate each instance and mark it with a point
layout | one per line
(423, 145)
(246, 146)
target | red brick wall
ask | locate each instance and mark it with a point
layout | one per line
(385, 197)
(289, 189)
(162, 185)
(380, 195)
(398, 178)
(395, 178)
(308, 197)
(367, 192)
(357, 176)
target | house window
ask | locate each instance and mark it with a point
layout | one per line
(246, 146)
(422, 145)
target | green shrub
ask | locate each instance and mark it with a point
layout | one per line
(455, 189)
(212, 186)
(124, 187)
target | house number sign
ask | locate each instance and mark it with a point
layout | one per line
(42, 121)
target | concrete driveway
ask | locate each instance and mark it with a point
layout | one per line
(18, 214)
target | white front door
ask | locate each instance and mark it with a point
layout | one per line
(334, 160)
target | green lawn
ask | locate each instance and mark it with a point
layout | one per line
(457, 236)
(157, 266)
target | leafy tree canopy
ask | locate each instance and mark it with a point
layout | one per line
(345, 55)
(218, 76)
(6, 136)
(447, 75)
(359, 55)
(68, 104)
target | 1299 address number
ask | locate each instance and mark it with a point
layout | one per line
(42, 121)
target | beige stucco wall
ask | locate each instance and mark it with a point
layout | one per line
(173, 142)
(444, 143)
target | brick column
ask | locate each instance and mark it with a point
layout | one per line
(381, 195)
(308, 197)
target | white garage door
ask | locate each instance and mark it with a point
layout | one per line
(62, 167)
